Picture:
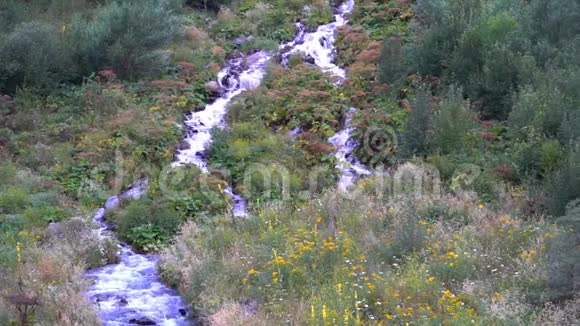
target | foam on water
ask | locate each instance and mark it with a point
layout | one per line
(350, 167)
(319, 46)
(131, 292)
(235, 79)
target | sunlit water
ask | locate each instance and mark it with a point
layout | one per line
(131, 292)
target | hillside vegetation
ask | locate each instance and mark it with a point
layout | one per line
(479, 98)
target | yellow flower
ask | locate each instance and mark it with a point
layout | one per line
(312, 312)
(252, 272)
(430, 280)
(244, 281)
(182, 101)
(389, 317)
(371, 286)
(324, 312)
(481, 206)
(451, 264)
(19, 253)
(319, 220)
(346, 317)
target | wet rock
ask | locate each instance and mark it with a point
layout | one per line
(255, 57)
(54, 229)
(242, 40)
(202, 155)
(310, 29)
(237, 54)
(286, 49)
(309, 59)
(215, 88)
(184, 145)
(123, 302)
(183, 312)
(142, 321)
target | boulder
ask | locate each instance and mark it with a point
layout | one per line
(242, 40)
(144, 321)
(309, 59)
(214, 87)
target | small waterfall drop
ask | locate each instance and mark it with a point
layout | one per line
(131, 292)
(319, 47)
(234, 79)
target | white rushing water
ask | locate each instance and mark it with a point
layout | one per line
(235, 78)
(319, 47)
(131, 292)
(350, 167)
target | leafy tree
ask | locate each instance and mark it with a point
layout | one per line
(417, 136)
(569, 131)
(32, 56)
(555, 21)
(452, 122)
(125, 36)
(565, 185)
(564, 256)
(392, 65)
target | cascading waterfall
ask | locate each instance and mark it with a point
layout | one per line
(319, 48)
(131, 292)
(350, 167)
(235, 79)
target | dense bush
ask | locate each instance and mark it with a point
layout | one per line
(33, 55)
(417, 137)
(452, 123)
(125, 36)
(265, 166)
(207, 4)
(147, 223)
(564, 257)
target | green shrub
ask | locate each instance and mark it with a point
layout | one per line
(564, 256)
(417, 135)
(392, 64)
(452, 122)
(147, 221)
(125, 36)
(14, 200)
(564, 186)
(33, 55)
